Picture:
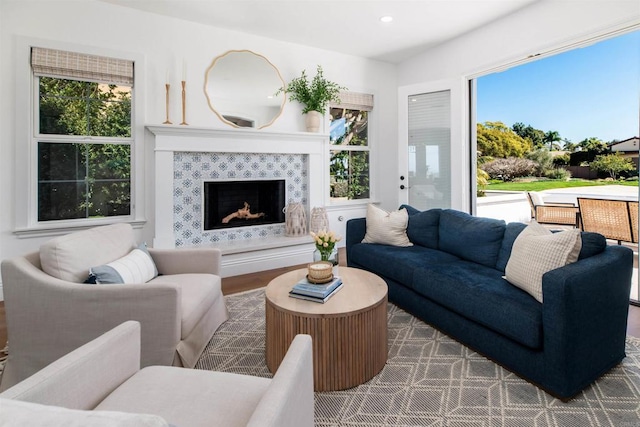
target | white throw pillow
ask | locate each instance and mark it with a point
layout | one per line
(135, 267)
(18, 413)
(536, 251)
(387, 228)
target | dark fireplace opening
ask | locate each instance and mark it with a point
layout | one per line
(241, 203)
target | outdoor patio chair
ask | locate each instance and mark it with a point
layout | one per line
(633, 214)
(552, 213)
(611, 218)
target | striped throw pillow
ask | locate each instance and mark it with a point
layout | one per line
(135, 267)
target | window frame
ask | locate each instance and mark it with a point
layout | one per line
(28, 136)
(369, 148)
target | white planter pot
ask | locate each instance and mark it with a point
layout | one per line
(312, 121)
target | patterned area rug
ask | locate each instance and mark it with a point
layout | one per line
(432, 380)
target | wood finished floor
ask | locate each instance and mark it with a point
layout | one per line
(231, 285)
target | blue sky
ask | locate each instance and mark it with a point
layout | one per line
(588, 92)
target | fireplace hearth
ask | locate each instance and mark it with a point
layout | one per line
(229, 204)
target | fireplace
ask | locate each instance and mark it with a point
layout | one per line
(229, 204)
(186, 157)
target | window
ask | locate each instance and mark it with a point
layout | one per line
(350, 150)
(82, 135)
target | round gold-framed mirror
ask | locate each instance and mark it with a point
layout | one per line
(241, 86)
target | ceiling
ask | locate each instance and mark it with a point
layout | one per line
(348, 26)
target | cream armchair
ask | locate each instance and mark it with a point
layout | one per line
(101, 384)
(50, 311)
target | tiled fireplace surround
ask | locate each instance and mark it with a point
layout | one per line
(184, 157)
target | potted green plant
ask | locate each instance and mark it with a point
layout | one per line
(314, 95)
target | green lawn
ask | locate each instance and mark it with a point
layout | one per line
(549, 184)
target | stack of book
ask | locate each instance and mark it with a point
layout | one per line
(317, 293)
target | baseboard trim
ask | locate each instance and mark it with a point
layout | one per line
(236, 264)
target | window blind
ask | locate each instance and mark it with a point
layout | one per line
(63, 64)
(355, 101)
(429, 122)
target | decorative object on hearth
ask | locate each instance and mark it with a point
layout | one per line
(314, 95)
(243, 213)
(240, 86)
(295, 220)
(319, 220)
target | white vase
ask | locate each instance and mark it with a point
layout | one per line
(312, 121)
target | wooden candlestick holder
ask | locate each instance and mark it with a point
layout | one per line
(167, 87)
(184, 95)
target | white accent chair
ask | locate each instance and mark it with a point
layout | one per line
(101, 384)
(50, 311)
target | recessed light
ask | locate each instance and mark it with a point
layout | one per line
(386, 19)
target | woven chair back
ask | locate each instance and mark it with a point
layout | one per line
(633, 214)
(611, 218)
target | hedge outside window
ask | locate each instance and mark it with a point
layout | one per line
(83, 136)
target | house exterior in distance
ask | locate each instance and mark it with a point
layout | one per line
(628, 148)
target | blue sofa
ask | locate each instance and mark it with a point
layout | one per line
(452, 278)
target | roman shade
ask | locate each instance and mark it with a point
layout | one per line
(62, 64)
(355, 101)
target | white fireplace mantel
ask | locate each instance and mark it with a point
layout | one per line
(169, 139)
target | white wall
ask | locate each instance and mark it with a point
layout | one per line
(165, 43)
(542, 27)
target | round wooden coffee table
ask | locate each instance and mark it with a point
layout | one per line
(349, 330)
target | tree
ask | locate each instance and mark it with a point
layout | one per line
(535, 136)
(567, 145)
(594, 145)
(589, 148)
(495, 139)
(551, 137)
(613, 164)
(85, 179)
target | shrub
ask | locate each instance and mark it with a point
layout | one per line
(558, 173)
(543, 159)
(482, 180)
(509, 168)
